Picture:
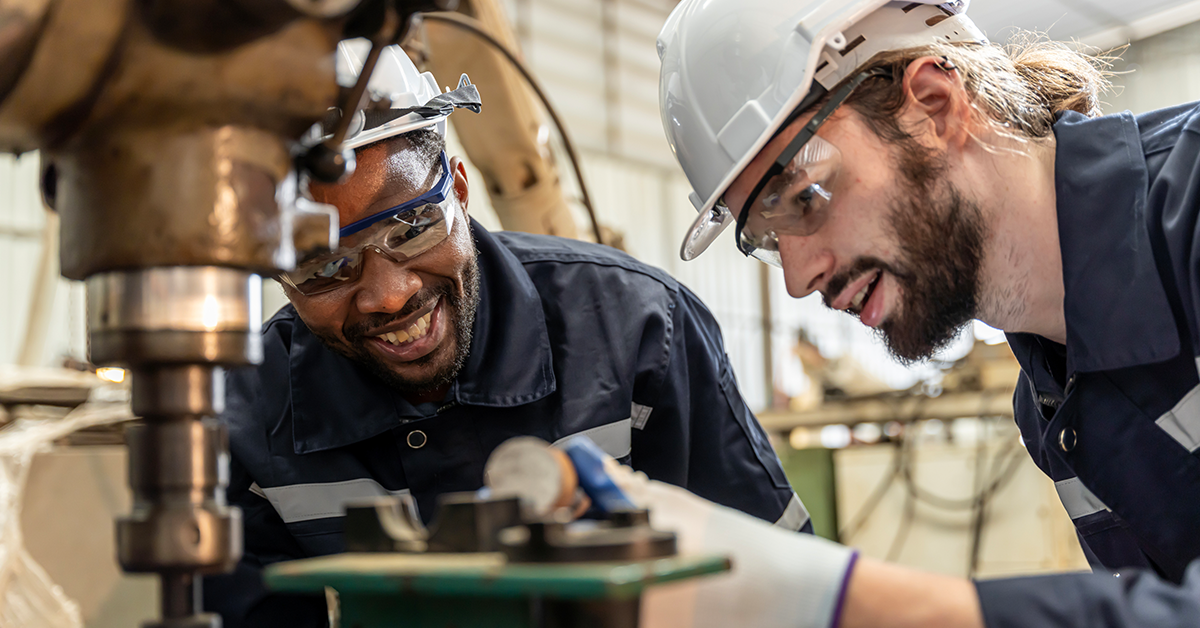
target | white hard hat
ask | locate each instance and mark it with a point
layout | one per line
(733, 71)
(414, 97)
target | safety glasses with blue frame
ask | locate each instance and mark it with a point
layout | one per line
(399, 233)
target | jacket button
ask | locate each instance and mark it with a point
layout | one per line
(1066, 439)
(417, 439)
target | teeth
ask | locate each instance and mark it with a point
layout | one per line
(856, 302)
(414, 332)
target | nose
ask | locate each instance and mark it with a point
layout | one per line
(807, 266)
(384, 286)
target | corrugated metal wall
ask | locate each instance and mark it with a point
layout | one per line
(1159, 71)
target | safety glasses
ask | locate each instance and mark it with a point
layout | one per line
(793, 197)
(399, 233)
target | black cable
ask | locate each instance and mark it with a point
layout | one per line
(475, 27)
(865, 511)
(979, 514)
(906, 521)
(999, 480)
(1002, 469)
(909, 513)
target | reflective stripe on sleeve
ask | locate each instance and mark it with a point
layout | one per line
(615, 438)
(302, 502)
(794, 516)
(1077, 499)
(1183, 421)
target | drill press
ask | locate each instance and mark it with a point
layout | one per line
(167, 131)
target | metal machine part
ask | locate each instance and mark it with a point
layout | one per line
(169, 133)
(469, 524)
(174, 315)
(625, 536)
(525, 475)
(465, 523)
(175, 327)
(482, 565)
(383, 524)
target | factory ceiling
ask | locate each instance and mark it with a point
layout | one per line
(1102, 23)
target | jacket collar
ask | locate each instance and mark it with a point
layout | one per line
(1115, 305)
(336, 402)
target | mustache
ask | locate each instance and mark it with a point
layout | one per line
(422, 299)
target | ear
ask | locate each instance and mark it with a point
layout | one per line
(460, 182)
(937, 110)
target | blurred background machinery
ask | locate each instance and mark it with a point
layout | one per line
(918, 436)
(167, 133)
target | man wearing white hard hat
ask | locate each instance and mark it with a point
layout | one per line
(424, 342)
(886, 155)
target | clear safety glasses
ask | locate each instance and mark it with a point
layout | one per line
(399, 233)
(793, 197)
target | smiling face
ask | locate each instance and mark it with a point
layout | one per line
(409, 322)
(902, 247)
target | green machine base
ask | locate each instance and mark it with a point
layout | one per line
(483, 589)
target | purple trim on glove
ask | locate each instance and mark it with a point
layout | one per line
(841, 601)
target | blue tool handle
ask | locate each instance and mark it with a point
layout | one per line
(588, 460)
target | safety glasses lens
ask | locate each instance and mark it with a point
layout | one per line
(325, 273)
(767, 257)
(795, 201)
(414, 232)
(401, 238)
(705, 229)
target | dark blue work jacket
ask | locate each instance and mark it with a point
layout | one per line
(1113, 417)
(569, 338)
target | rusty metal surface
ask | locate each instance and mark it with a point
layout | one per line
(171, 127)
(166, 157)
(151, 197)
(21, 24)
(77, 40)
(213, 25)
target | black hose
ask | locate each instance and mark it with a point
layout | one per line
(475, 27)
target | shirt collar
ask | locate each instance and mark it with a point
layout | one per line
(336, 402)
(1115, 305)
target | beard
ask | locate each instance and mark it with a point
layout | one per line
(444, 362)
(941, 238)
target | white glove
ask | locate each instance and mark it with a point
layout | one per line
(779, 578)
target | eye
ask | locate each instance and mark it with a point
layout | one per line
(806, 199)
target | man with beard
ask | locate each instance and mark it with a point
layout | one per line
(889, 157)
(424, 342)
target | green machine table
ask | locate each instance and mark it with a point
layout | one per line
(483, 589)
